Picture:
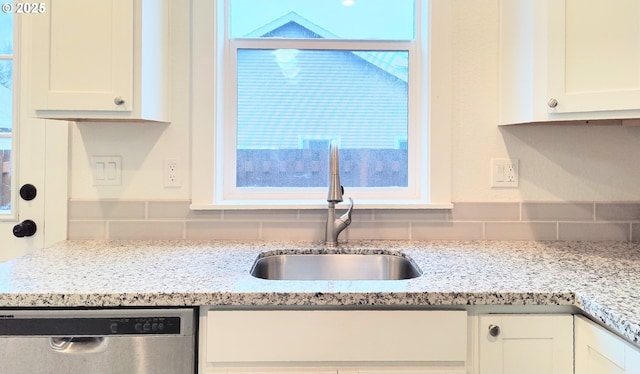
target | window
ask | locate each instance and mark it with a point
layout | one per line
(276, 80)
(6, 112)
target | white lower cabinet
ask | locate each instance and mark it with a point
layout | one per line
(274, 370)
(333, 341)
(599, 351)
(408, 342)
(311, 370)
(400, 370)
(525, 344)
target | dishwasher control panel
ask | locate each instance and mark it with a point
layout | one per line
(145, 325)
(94, 326)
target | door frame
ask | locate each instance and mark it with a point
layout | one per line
(39, 157)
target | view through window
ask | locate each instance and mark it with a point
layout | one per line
(6, 104)
(311, 71)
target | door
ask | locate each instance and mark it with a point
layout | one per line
(526, 344)
(272, 370)
(88, 49)
(594, 55)
(28, 147)
(107, 341)
(99, 355)
(600, 352)
(22, 353)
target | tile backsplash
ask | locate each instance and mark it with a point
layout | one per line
(138, 219)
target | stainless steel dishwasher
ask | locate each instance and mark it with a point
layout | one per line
(113, 341)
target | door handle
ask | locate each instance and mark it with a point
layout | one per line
(28, 192)
(25, 228)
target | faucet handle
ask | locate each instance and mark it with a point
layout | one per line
(346, 217)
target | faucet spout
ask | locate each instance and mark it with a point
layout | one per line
(335, 188)
(335, 225)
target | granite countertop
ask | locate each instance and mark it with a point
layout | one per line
(600, 278)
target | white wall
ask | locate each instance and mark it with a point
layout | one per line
(564, 163)
(557, 163)
(143, 146)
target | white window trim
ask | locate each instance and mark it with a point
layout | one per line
(207, 140)
(12, 214)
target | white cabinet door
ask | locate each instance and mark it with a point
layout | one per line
(633, 360)
(330, 341)
(569, 60)
(594, 55)
(339, 370)
(403, 370)
(102, 60)
(272, 370)
(598, 351)
(336, 336)
(526, 344)
(88, 49)
(522, 74)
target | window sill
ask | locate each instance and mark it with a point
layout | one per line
(303, 204)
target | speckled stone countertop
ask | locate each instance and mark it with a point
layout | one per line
(600, 278)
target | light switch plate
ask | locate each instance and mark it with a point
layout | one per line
(107, 170)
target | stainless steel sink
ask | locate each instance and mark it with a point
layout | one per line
(334, 267)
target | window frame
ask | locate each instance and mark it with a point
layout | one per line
(429, 179)
(12, 214)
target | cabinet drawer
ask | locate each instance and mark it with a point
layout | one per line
(271, 336)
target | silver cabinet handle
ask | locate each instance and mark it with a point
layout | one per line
(118, 100)
(494, 330)
(552, 103)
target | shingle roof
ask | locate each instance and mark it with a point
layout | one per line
(394, 63)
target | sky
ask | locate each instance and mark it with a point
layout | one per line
(365, 19)
(6, 32)
(6, 47)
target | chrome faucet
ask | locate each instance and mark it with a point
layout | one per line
(335, 225)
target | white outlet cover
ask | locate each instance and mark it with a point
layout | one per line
(504, 172)
(172, 173)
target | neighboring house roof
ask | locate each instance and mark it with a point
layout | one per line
(264, 31)
(288, 96)
(394, 63)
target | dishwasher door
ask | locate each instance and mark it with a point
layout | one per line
(158, 341)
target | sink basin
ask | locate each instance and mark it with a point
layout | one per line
(335, 267)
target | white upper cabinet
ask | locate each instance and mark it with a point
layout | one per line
(102, 60)
(563, 60)
(594, 55)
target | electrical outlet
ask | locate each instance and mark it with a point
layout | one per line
(510, 175)
(504, 172)
(172, 174)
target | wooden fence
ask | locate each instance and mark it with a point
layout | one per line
(5, 178)
(310, 168)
